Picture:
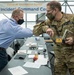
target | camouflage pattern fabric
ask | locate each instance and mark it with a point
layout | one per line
(64, 54)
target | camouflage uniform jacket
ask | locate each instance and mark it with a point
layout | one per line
(59, 27)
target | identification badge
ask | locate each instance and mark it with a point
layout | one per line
(58, 40)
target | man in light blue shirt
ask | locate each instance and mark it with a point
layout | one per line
(10, 30)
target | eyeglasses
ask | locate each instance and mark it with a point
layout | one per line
(49, 11)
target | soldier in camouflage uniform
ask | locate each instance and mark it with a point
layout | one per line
(60, 27)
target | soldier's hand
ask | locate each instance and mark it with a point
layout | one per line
(69, 40)
(50, 32)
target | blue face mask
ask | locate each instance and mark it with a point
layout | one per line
(20, 21)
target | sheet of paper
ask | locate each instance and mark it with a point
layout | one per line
(40, 48)
(24, 51)
(31, 44)
(31, 56)
(31, 65)
(41, 61)
(17, 70)
(40, 56)
(29, 52)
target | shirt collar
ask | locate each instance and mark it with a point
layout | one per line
(12, 19)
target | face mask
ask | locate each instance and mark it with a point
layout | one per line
(20, 21)
(50, 16)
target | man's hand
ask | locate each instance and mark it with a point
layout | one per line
(69, 40)
(50, 32)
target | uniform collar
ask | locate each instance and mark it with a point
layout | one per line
(62, 20)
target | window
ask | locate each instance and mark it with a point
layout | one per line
(30, 25)
(4, 0)
(31, 17)
(18, 0)
(4, 16)
(35, 0)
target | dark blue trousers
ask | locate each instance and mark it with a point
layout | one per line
(3, 58)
